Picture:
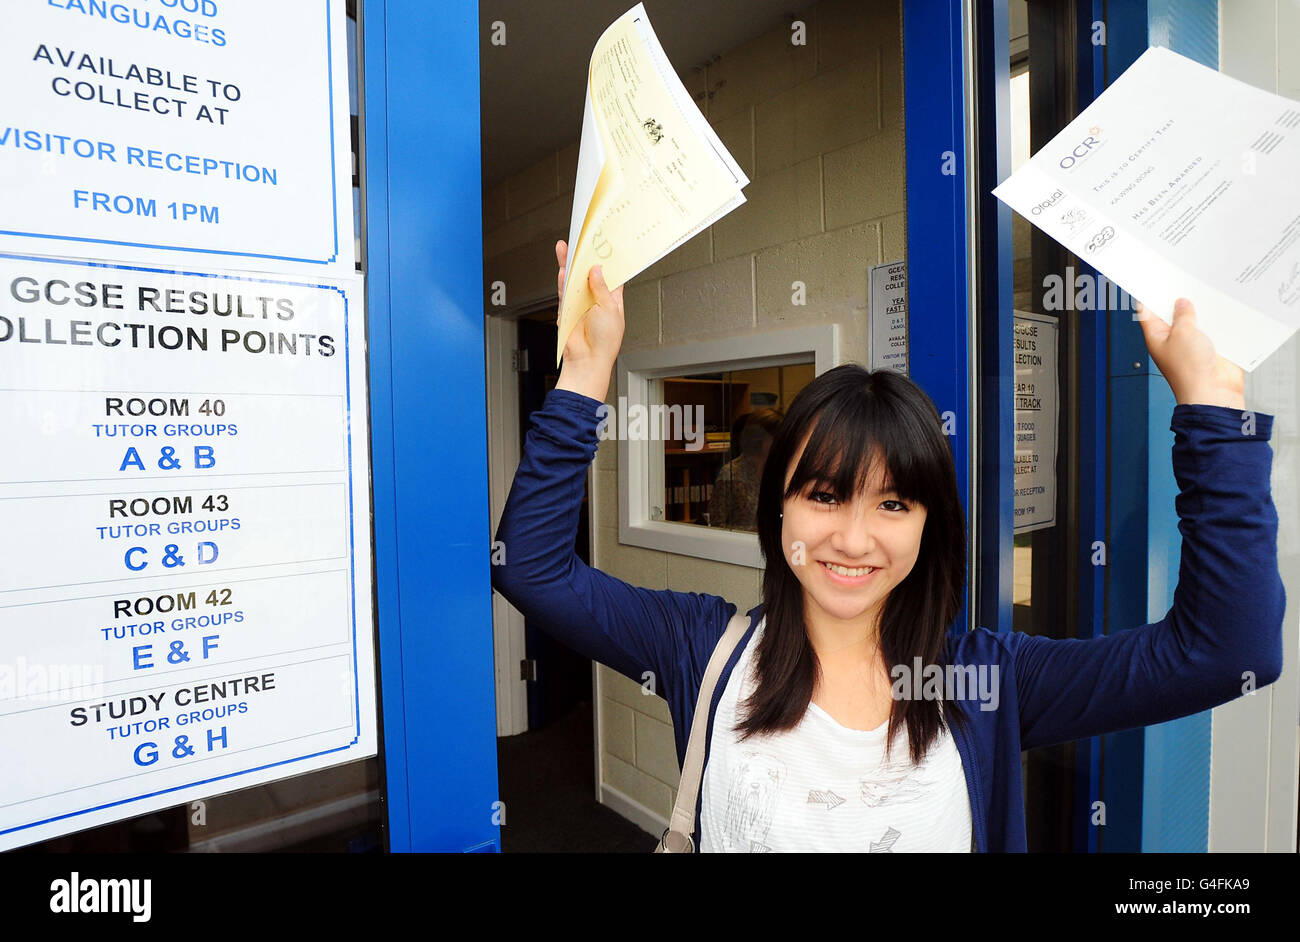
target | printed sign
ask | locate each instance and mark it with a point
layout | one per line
(1036, 419)
(178, 133)
(889, 317)
(185, 600)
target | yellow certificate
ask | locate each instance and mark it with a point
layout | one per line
(651, 171)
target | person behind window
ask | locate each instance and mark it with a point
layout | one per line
(737, 427)
(733, 503)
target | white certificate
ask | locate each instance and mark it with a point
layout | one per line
(1181, 182)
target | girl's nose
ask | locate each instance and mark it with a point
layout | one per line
(854, 537)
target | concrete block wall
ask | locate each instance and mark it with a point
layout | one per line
(818, 128)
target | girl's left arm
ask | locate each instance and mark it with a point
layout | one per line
(1223, 635)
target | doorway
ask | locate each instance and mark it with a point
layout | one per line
(558, 678)
(545, 769)
(808, 99)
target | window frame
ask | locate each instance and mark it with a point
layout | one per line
(641, 462)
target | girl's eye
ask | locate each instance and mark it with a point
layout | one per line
(822, 497)
(901, 505)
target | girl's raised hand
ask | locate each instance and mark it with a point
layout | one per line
(598, 336)
(593, 344)
(1187, 360)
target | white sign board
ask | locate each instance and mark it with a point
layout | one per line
(889, 317)
(1036, 421)
(178, 133)
(185, 601)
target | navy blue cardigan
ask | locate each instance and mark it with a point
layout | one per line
(1226, 618)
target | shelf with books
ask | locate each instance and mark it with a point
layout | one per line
(692, 461)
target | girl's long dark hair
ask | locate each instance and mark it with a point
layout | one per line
(851, 417)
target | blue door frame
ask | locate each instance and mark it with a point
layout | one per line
(424, 296)
(939, 316)
(424, 292)
(1094, 456)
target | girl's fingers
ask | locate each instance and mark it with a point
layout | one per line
(1154, 330)
(1184, 311)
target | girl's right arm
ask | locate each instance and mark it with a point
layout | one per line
(631, 629)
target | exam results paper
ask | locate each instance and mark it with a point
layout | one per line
(1179, 181)
(651, 172)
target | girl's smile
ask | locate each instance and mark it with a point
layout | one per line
(849, 576)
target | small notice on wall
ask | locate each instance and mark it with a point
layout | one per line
(1036, 419)
(889, 317)
(185, 596)
(178, 133)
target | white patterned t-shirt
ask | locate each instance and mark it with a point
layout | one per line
(824, 787)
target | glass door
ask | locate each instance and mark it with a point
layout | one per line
(1032, 366)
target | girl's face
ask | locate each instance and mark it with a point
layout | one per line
(873, 530)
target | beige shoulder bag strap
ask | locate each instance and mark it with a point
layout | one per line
(677, 838)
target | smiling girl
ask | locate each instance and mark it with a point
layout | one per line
(824, 730)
